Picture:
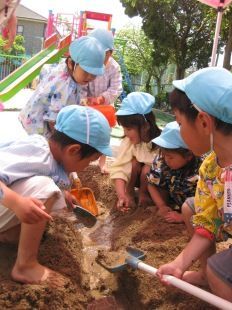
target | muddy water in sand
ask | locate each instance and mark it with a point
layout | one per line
(95, 239)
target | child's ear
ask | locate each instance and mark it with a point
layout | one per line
(74, 149)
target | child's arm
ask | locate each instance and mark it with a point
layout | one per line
(192, 252)
(29, 210)
(123, 199)
(158, 199)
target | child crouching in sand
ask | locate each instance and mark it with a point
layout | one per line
(202, 104)
(136, 152)
(174, 174)
(39, 168)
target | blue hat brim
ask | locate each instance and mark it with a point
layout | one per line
(165, 144)
(105, 150)
(180, 84)
(94, 71)
(124, 112)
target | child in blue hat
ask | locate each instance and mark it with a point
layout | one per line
(104, 89)
(136, 151)
(60, 85)
(38, 170)
(173, 176)
(202, 103)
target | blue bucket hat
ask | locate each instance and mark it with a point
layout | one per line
(89, 54)
(136, 103)
(210, 90)
(85, 125)
(105, 37)
(170, 137)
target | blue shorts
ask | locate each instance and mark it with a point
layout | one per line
(221, 265)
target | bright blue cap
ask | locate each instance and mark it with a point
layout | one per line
(210, 89)
(85, 125)
(170, 137)
(89, 54)
(105, 37)
(136, 103)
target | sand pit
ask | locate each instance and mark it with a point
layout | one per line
(70, 248)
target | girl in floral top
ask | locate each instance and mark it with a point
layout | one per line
(60, 85)
(202, 105)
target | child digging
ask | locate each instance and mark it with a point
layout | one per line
(202, 104)
(136, 152)
(173, 175)
(39, 168)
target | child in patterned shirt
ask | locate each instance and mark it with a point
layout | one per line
(60, 85)
(202, 106)
(173, 175)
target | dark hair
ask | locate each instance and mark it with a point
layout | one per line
(63, 140)
(138, 121)
(180, 101)
(183, 152)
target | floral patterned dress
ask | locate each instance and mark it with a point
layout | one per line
(56, 90)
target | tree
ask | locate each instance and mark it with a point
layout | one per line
(182, 27)
(141, 56)
(17, 47)
(226, 35)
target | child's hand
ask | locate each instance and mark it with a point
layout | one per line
(174, 217)
(96, 100)
(70, 199)
(169, 269)
(30, 210)
(123, 203)
(163, 211)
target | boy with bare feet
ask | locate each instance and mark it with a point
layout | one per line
(35, 167)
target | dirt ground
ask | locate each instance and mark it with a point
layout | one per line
(71, 249)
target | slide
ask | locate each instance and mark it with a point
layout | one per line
(22, 76)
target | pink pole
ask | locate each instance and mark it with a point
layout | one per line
(49, 29)
(216, 36)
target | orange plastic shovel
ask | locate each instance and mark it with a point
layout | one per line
(84, 196)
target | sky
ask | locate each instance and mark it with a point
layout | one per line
(113, 7)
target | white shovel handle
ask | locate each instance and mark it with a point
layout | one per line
(189, 288)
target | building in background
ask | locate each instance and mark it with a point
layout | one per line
(31, 26)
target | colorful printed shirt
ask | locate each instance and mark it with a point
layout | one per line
(108, 85)
(179, 183)
(209, 200)
(30, 156)
(55, 90)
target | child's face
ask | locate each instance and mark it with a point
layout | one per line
(72, 161)
(195, 134)
(175, 160)
(82, 77)
(107, 57)
(133, 134)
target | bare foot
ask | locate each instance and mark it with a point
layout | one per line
(37, 274)
(195, 278)
(174, 217)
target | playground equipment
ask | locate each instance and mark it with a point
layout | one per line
(85, 15)
(22, 76)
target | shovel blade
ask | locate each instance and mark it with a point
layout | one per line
(119, 259)
(85, 198)
(84, 216)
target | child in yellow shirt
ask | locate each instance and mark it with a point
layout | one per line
(202, 104)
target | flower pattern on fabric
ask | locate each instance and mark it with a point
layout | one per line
(179, 183)
(209, 199)
(56, 90)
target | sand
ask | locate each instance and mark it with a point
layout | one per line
(70, 247)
